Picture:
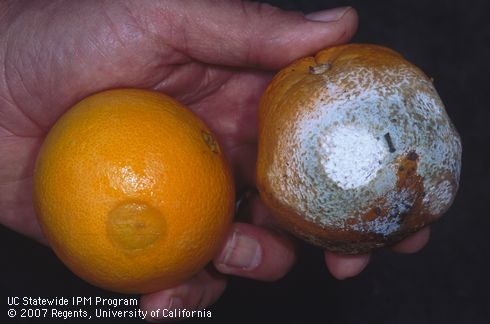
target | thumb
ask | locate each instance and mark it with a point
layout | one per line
(239, 33)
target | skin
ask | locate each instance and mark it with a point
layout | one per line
(216, 57)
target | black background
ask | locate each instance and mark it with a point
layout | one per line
(447, 282)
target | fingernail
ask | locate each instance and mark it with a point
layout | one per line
(328, 15)
(242, 252)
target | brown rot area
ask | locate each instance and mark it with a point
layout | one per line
(407, 174)
(403, 205)
(372, 214)
(210, 141)
(409, 181)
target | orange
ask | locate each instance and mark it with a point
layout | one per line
(133, 191)
(355, 149)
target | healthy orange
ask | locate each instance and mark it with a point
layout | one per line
(132, 191)
(356, 150)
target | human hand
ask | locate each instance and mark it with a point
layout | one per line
(215, 57)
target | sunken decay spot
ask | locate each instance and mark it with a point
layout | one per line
(351, 155)
(135, 225)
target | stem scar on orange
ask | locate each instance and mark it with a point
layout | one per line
(356, 150)
(132, 191)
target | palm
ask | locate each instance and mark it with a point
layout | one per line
(45, 80)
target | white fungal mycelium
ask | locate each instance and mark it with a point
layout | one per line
(351, 155)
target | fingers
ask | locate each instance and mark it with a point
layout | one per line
(256, 253)
(199, 292)
(413, 243)
(240, 33)
(345, 266)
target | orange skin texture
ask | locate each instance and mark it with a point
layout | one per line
(132, 191)
(293, 93)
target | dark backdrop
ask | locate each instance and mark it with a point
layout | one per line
(447, 282)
